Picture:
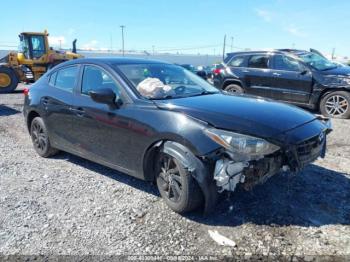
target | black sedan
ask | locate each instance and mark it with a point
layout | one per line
(159, 122)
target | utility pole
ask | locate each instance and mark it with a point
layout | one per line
(231, 43)
(111, 39)
(122, 27)
(333, 53)
(60, 40)
(223, 49)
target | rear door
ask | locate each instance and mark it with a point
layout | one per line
(258, 77)
(292, 81)
(57, 104)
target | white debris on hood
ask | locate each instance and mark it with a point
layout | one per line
(220, 239)
(154, 88)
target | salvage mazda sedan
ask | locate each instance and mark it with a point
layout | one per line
(160, 122)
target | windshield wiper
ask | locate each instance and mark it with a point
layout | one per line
(329, 68)
(206, 92)
(161, 98)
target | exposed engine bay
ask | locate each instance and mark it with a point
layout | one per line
(228, 173)
(230, 170)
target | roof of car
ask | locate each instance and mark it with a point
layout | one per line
(116, 60)
(293, 51)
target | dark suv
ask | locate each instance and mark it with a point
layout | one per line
(300, 77)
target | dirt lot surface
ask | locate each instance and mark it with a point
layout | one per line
(68, 205)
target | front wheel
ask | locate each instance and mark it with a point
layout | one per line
(40, 138)
(176, 186)
(336, 104)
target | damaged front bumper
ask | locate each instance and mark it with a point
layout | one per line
(293, 157)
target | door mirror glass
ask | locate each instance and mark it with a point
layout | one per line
(105, 96)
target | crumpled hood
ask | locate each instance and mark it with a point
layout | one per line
(339, 71)
(245, 114)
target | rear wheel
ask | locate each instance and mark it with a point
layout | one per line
(8, 80)
(233, 88)
(40, 138)
(177, 187)
(336, 104)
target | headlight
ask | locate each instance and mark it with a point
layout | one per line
(241, 144)
(346, 81)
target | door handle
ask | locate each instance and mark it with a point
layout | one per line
(276, 74)
(45, 100)
(79, 111)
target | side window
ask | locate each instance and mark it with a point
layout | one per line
(95, 78)
(237, 61)
(286, 63)
(66, 78)
(259, 61)
(52, 80)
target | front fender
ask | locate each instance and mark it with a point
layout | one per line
(198, 169)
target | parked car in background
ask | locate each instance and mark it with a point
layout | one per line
(162, 123)
(193, 69)
(207, 70)
(216, 69)
(299, 77)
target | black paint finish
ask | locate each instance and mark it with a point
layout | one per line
(120, 137)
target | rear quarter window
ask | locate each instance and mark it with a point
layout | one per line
(237, 61)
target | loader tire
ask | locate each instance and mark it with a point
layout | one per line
(8, 80)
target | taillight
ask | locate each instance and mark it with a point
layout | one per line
(217, 71)
(26, 91)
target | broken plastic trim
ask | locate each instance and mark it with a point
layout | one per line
(197, 169)
(228, 174)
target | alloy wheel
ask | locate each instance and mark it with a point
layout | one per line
(39, 137)
(336, 105)
(170, 178)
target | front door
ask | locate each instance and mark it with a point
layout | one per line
(101, 131)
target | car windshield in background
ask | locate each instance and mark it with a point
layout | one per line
(165, 81)
(316, 61)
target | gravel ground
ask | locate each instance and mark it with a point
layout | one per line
(70, 206)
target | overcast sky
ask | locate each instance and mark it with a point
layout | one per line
(187, 26)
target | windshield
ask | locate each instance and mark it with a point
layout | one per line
(316, 61)
(163, 81)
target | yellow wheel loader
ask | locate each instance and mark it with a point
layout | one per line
(32, 60)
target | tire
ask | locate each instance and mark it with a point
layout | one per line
(40, 138)
(233, 88)
(170, 172)
(336, 104)
(8, 80)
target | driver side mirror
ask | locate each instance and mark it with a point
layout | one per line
(304, 72)
(106, 96)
